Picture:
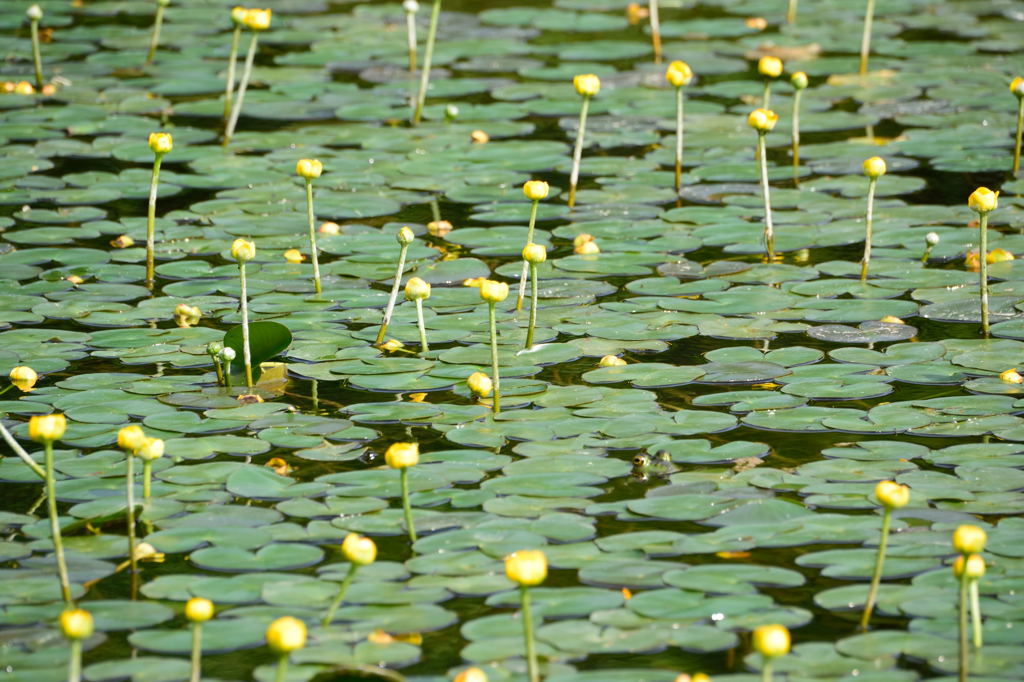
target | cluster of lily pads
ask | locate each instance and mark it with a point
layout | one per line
(720, 362)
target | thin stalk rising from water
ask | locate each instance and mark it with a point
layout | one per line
(34, 15)
(151, 224)
(865, 261)
(51, 508)
(769, 231)
(229, 86)
(428, 57)
(311, 217)
(577, 152)
(158, 22)
(655, 30)
(865, 42)
(236, 109)
(876, 576)
(526, 265)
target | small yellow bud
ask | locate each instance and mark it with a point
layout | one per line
(391, 345)
(471, 675)
(122, 242)
(891, 319)
(998, 256)
(238, 15)
(1011, 376)
(34, 13)
(294, 256)
(756, 23)
(439, 228)
(131, 437)
(151, 449)
(75, 279)
(585, 245)
(243, 250)
(161, 143)
(973, 565)
(418, 397)
(892, 495)
(474, 282)
(358, 549)
(329, 227)
(249, 399)
(76, 624)
(405, 236)
(286, 635)
(799, 80)
(24, 378)
(1017, 87)
(771, 641)
(611, 361)
(762, 120)
(24, 88)
(968, 539)
(527, 567)
(416, 289)
(186, 316)
(587, 84)
(679, 74)
(769, 67)
(635, 13)
(696, 677)
(983, 200)
(493, 292)
(258, 19)
(479, 137)
(536, 190)
(309, 169)
(402, 455)
(480, 384)
(198, 610)
(535, 253)
(874, 167)
(47, 428)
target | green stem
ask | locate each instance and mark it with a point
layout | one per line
(577, 152)
(927, 252)
(494, 359)
(406, 506)
(767, 93)
(652, 9)
(526, 265)
(531, 651)
(229, 87)
(796, 130)
(419, 322)
(312, 235)
(769, 232)
(865, 261)
(282, 668)
(75, 661)
(227, 376)
(410, 31)
(533, 307)
(963, 625)
(20, 452)
(197, 652)
(679, 139)
(220, 370)
(151, 223)
(129, 490)
(37, 58)
(865, 42)
(51, 508)
(766, 670)
(983, 271)
(791, 12)
(876, 576)
(428, 57)
(236, 109)
(435, 209)
(155, 41)
(147, 477)
(1020, 132)
(246, 356)
(976, 614)
(340, 597)
(390, 309)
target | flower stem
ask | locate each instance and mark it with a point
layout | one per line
(494, 359)
(246, 356)
(155, 41)
(340, 597)
(796, 130)
(865, 261)
(1017, 138)
(531, 652)
(147, 477)
(428, 57)
(652, 7)
(983, 270)
(577, 152)
(130, 500)
(975, 614)
(679, 139)
(151, 224)
(312, 236)
(75, 661)
(767, 98)
(20, 452)
(410, 30)
(58, 543)
(876, 576)
(533, 308)
(766, 671)
(791, 12)
(197, 652)
(220, 370)
(526, 265)
(229, 87)
(407, 508)
(419, 321)
(282, 668)
(769, 232)
(963, 627)
(865, 42)
(236, 109)
(394, 296)
(37, 58)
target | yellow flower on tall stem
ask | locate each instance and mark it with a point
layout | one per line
(130, 438)
(197, 611)
(401, 456)
(428, 58)
(493, 293)
(417, 290)
(1017, 88)
(968, 569)
(763, 120)
(309, 170)
(534, 255)
(535, 190)
(587, 85)
(527, 568)
(404, 237)
(890, 495)
(969, 541)
(35, 14)
(76, 625)
(770, 68)
(257, 21)
(874, 168)
(23, 378)
(983, 201)
(285, 635)
(238, 21)
(865, 41)
(359, 551)
(243, 251)
(771, 641)
(160, 144)
(679, 75)
(799, 81)
(158, 22)
(46, 429)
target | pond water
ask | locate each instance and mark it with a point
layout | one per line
(782, 390)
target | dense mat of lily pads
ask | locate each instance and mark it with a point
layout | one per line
(777, 389)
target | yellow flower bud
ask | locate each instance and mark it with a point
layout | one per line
(891, 319)
(479, 137)
(439, 228)
(131, 437)
(527, 567)
(198, 610)
(771, 641)
(762, 120)
(405, 236)
(417, 289)
(186, 316)
(34, 13)
(76, 624)
(874, 167)
(799, 80)
(493, 292)
(258, 19)
(585, 245)
(1017, 87)
(402, 455)
(122, 242)
(983, 200)
(1011, 376)
(294, 256)
(358, 549)
(238, 15)
(243, 250)
(892, 495)
(47, 428)
(587, 84)
(998, 256)
(536, 190)
(309, 168)
(24, 378)
(968, 539)
(480, 384)
(471, 675)
(696, 677)
(151, 449)
(769, 67)
(24, 88)
(679, 74)
(973, 565)
(611, 361)
(391, 345)
(535, 253)
(285, 635)
(161, 143)
(330, 227)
